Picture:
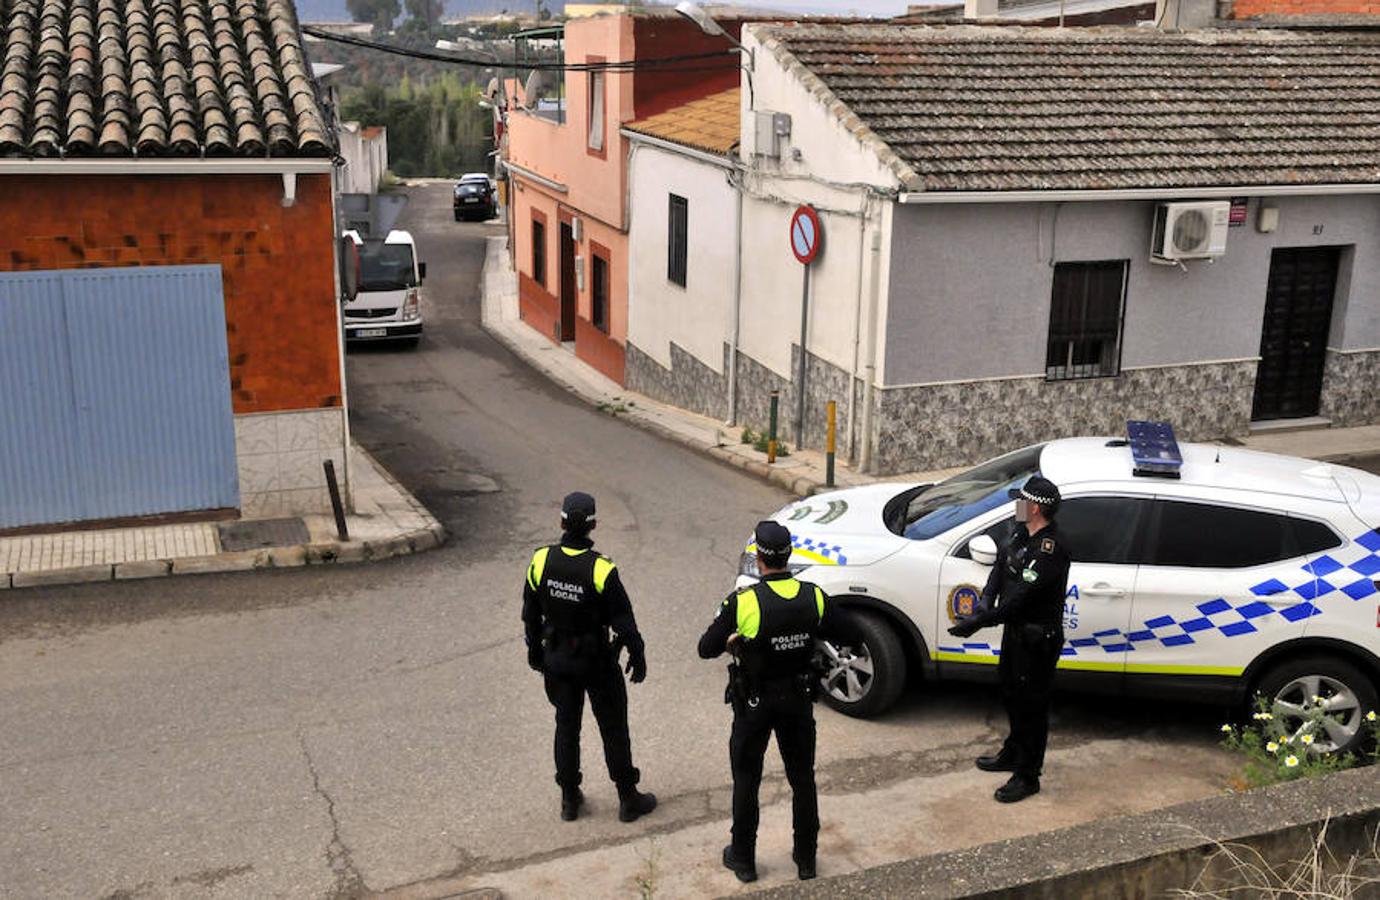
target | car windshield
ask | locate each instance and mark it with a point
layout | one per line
(933, 510)
(386, 267)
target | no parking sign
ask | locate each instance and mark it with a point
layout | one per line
(806, 234)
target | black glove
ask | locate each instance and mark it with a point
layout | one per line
(637, 667)
(965, 628)
(534, 657)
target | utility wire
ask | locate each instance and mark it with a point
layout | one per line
(617, 66)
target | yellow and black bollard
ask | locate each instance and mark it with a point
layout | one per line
(829, 444)
(771, 434)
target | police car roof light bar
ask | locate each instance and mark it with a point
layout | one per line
(1154, 449)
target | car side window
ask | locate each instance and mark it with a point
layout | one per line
(1103, 529)
(1313, 537)
(1201, 535)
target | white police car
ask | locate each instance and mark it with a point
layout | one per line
(1228, 574)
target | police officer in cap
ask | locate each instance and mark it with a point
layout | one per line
(571, 599)
(771, 629)
(1025, 594)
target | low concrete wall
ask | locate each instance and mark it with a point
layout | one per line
(1141, 856)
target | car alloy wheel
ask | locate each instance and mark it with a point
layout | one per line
(1330, 703)
(847, 671)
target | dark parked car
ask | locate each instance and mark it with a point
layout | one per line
(475, 197)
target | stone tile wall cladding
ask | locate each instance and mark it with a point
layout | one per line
(944, 425)
(1350, 395)
(280, 461)
(692, 385)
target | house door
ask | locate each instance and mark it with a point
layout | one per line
(117, 387)
(567, 282)
(1293, 341)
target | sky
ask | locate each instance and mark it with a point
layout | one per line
(838, 8)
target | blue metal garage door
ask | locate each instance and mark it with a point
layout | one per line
(114, 395)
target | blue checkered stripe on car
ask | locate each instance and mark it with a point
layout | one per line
(1328, 577)
(828, 551)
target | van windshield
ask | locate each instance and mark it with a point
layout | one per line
(386, 267)
(930, 511)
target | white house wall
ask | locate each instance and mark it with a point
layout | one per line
(697, 317)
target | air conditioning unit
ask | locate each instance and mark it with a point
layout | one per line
(1190, 231)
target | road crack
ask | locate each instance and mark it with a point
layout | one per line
(349, 883)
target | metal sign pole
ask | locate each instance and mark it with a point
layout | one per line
(800, 370)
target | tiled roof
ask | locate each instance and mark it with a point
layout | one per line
(973, 108)
(114, 78)
(709, 123)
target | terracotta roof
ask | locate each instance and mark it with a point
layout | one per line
(156, 78)
(709, 123)
(973, 108)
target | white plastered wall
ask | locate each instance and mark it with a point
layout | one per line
(697, 317)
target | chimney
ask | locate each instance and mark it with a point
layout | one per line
(979, 9)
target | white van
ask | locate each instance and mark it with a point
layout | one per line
(388, 303)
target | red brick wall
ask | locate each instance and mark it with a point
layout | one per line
(277, 263)
(1245, 9)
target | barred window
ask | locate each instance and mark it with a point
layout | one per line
(1085, 320)
(599, 295)
(539, 252)
(677, 237)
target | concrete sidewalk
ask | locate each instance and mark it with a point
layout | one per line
(387, 521)
(803, 472)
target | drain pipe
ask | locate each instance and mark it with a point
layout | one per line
(737, 171)
(857, 329)
(870, 368)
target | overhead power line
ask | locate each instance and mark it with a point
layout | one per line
(617, 66)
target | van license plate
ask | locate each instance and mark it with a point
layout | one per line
(371, 332)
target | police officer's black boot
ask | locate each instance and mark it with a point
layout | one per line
(997, 762)
(633, 804)
(804, 864)
(571, 801)
(1018, 788)
(745, 869)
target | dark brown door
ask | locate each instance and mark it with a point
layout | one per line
(567, 283)
(1293, 342)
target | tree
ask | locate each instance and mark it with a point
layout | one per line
(381, 13)
(426, 11)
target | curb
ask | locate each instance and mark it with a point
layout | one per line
(432, 535)
(287, 557)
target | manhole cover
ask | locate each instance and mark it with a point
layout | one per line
(263, 533)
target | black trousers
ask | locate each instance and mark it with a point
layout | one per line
(1029, 654)
(790, 715)
(608, 697)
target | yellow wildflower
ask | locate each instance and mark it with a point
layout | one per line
(1291, 761)
(1272, 747)
(1307, 739)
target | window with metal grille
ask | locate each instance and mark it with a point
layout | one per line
(539, 252)
(678, 216)
(596, 111)
(1085, 320)
(599, 293)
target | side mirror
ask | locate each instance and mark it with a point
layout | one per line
(983, 550)
(421, 272)
(348, 258)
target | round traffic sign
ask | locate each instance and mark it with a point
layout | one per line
(806, 234)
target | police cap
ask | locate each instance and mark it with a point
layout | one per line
(1037, 489)
(577, 510)
(773, 538)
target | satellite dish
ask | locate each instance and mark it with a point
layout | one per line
(532, 89)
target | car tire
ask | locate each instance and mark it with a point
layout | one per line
(1347, 692)
(864, 681)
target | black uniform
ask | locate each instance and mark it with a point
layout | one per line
(571, 599)
(1025, 593)
(778, 620)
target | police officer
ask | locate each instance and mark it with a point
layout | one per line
(571, 599)
(771, 629)
(1025, 593)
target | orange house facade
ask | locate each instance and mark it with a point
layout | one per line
(569, 168)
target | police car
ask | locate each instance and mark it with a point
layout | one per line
(1199, 572)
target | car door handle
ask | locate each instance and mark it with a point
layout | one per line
(1103, 590)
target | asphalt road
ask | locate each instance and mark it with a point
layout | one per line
(327, 732)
